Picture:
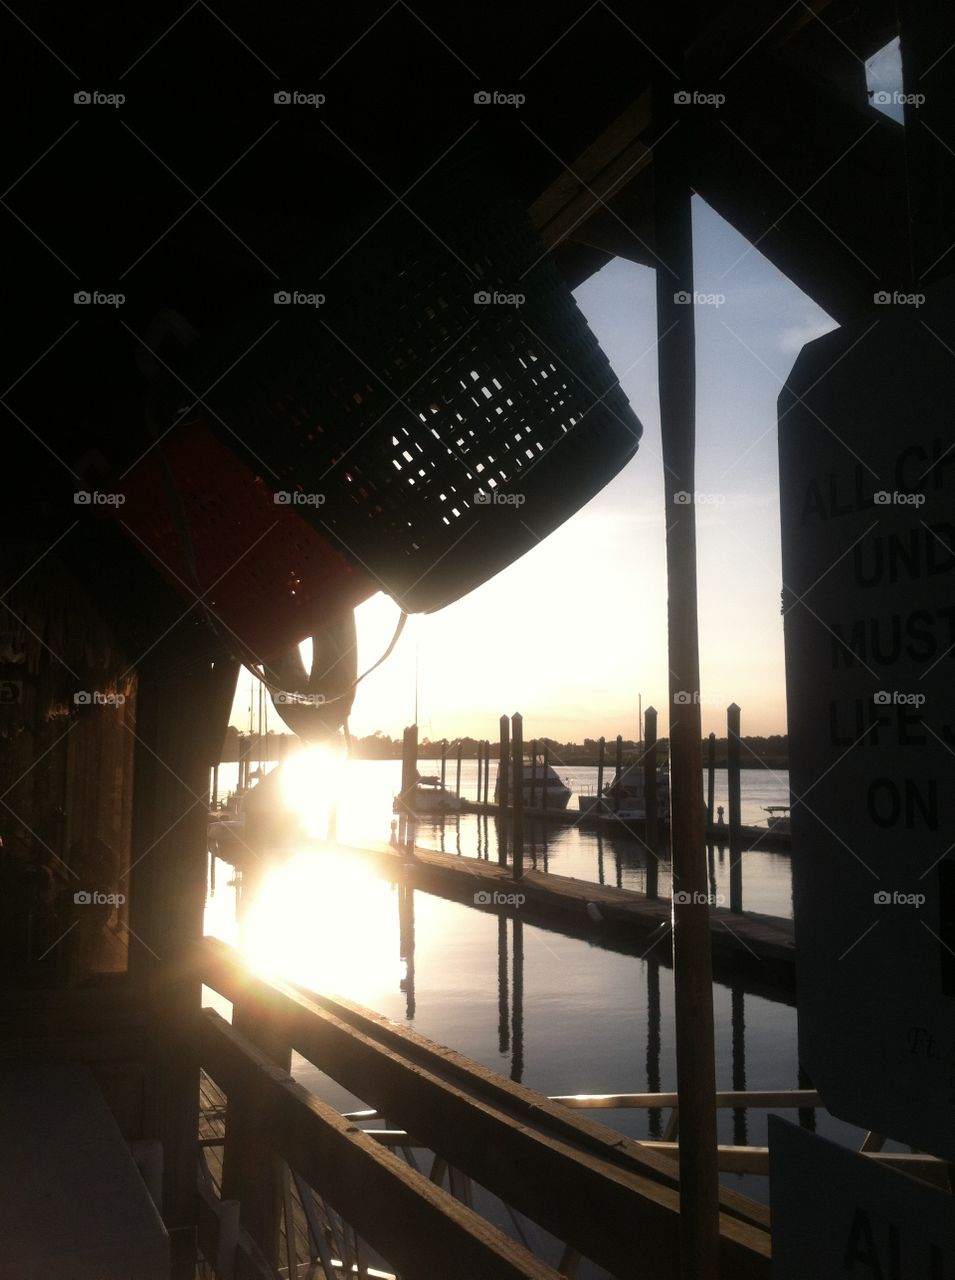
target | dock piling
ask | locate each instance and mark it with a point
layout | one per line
(692, 958)
(457, 776)
(733, 790)
(601, 751)
(650, 799)
(517, 803)
(618, 772)
(544, 782)
(502, 797)
(710, 778)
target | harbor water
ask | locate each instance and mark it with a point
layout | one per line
(560, 1014)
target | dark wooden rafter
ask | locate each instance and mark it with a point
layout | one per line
(795, 158)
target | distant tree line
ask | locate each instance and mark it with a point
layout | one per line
(756, 752)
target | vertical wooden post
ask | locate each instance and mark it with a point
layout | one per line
(457, 774)
(710, 779)
(502, 787)
(733, 790)
(517, 803)
(444, 761)
(215, 785)
(602, 747)
(182, 707)
(533, 773)
(738, 1019)
(545, 779)
(487, 767)
(650, 799)
(617, 773)
(480, 762)
(925, 29)
(692, 963)
(409, 780)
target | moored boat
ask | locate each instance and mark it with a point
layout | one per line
(543, 786)
(625, 799)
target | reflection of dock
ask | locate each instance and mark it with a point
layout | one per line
(620, 919)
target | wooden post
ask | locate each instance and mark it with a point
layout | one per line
(710, 779)
(182, 707)
(602, 747)
(409, 779)
(444, 761)
(502, 781)
(545, 779)
(692, 962)
(517, 802)
(738, 1019)
(457, 775)
(480, 762)
(533, 773)
(650, 799)
(925, 30)
(733, 791)
(215, 785)
(617, 774)
(487, 767)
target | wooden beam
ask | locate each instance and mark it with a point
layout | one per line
(420, 1229)
(574, 1177)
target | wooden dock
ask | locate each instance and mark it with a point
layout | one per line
(753, 837)
(757, 948)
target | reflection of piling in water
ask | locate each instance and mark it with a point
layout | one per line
(739, 1062)
(654, 1115)
(600, 858)
(503, 1002)
(406, 943)
(517, 1008)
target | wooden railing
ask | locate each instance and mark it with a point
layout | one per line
(610, 1198)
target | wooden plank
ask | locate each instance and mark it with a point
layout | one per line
(421, 1229)
(537, 1156)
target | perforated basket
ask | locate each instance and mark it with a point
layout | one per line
(445, 423)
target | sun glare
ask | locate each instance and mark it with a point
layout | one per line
(313, 783)
(325, 920)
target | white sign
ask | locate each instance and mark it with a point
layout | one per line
(837, 1215)
(867, 479)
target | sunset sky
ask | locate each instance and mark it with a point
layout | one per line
(571, 633)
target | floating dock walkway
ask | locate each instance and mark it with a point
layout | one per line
(746, 945)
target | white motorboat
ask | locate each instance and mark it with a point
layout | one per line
(429, 796)
(554, 795)
(778, 819)
(626, 800)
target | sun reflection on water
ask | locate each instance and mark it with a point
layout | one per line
(324, 920)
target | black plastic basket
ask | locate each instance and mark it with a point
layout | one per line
(442, 409)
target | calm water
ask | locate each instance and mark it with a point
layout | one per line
(560, 1014)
